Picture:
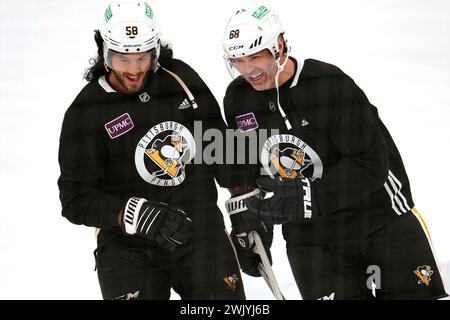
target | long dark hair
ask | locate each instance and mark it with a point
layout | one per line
(97, 68)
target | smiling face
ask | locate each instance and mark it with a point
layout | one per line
(258, 69)
(129, 71)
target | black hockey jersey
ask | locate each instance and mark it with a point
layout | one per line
(114, 146)
(337, 140)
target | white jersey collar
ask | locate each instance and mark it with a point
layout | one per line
(300, 64)
(105, 85)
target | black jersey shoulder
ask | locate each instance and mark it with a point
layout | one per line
(91, 93)
(83, 112)
(325, 75)
(85, 102)
(207, 104)
(317, 68)
(185, 72)
(176, 64)
(326, 82)
(189, 76)
(94, 96)
(237, 85)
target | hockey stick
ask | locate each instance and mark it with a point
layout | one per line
(264, 267)
(236, 205)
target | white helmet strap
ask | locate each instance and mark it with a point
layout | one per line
(280, 68)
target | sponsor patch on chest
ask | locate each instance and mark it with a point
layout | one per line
(119, 126)
(246, 122)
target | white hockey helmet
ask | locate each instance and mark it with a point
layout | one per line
(130, 27)
(250, 31)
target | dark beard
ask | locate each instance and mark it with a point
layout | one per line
(124, 88)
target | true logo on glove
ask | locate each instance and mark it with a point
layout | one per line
(307, 199)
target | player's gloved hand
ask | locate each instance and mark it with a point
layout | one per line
(169, 227)
(244, 244)
(292, 200)
(243, 222)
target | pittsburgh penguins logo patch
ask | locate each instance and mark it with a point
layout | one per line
(424, 274)
(162, 154)
(231, 281)
(290, 157)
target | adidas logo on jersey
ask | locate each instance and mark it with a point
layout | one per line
(184, 105)
(304, 123)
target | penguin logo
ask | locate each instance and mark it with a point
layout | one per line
(290, 162)
(168, 154)
(288, 156)
(424, 274)
(231, 281)
(162, 154)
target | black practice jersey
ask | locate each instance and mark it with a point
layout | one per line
(337, 141)
(114, 146)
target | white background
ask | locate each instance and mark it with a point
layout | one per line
(397, 51)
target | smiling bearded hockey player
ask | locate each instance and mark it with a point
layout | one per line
(339, 185)
(125, 155)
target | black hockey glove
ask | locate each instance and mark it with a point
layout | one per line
(169, 227)
(249, 260)
(243, 222)
(292, 200)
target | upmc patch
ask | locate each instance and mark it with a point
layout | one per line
(246, 122)
(119, 126)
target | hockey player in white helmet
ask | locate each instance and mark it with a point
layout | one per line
(125, 156)
(339, 186)
(255, 47)
(131, 44)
